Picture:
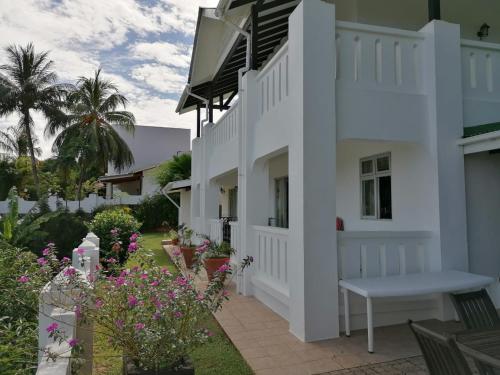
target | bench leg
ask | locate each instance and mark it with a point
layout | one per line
(369, 318)
(347, 316)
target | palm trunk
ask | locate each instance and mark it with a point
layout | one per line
(80, 183)
(34, 169)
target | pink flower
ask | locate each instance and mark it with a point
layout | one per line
(80, 251)
(200, 250)
(120, 281)
(120, 323)
(78, 311)
(23, 279)
(206, 242)
(171, 294)
(176, 253)
(69, 272)
(144, 276)
(178, 314)
(139, 326)
(156, 316)
(165, 271)
(66, 260)
(42, 262)
(224, 268)
(46, 252)
(114, 231)
(225, 293)
(52, 328)
(134, 237)
(111, 260)
(210, 333)
(90, 278)
(132, 247)
(132, 301)
(73, 342)
(155, 283)
(200, 297)
(99, 303)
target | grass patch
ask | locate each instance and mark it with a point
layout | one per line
(216, 357)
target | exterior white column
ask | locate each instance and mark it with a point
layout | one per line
(314, 307)
(253, 178)
(443, 83)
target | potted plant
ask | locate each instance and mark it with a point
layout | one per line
(215, 257)
(155, 318)
(174, 237)
(187, 248)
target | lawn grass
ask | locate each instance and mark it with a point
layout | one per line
(216, 357)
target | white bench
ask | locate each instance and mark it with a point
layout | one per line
(405, 285)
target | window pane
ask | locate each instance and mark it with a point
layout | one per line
(281, 195)
(367, 167)
(385, 199)
(368, 190)
(383, 164)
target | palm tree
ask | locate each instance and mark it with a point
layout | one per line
(176, 169)
(14, 142)
(28, 84)
(89, 126)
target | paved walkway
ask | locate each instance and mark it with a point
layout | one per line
(263, 339)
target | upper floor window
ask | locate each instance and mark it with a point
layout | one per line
(281, 202)
(376, 190)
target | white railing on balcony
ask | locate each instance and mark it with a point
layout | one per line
(480, 69)
(226, 128)
(379, 57)
(273, 82)
(215, 230)
(373, 254)
(271, 256)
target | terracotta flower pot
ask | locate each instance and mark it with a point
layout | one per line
(184, 368)
(175, 241)
(188, 253)
(213, 264)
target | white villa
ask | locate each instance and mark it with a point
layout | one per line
(151, 146)
(381, 113)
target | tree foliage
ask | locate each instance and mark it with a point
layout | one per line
(176, 169)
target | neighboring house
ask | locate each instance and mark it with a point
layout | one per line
(150, 146)
(358, 109)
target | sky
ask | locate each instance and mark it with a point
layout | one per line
(143, 46)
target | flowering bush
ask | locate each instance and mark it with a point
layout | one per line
(153, 316)
(210, 250)
(114, 228)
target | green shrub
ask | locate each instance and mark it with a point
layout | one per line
(108, 220)
(156, 211)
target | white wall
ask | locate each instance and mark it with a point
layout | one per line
(149, 184)
(482, 179)
(413, 197)
(153, 145)
(185, 210)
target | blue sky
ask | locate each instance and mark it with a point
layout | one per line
(144, 46)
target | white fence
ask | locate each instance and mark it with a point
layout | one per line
(273, 81)
(379, 57)
(372, 254)
(52, 297)
(215, 228)
(88, 204)
(226, 128)
(271, 256)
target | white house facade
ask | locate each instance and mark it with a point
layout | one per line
(342, 146)
(151, 146)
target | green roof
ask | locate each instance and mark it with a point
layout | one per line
(471, 131)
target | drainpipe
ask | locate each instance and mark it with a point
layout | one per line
(164, 192)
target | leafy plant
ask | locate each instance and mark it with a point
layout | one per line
(210, 250)
(176, 169)
(154, 211)
(114, 227)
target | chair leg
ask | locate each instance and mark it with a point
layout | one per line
(369, 318)
(347, 316)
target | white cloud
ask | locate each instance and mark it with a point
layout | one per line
(161, 78)
(178, 55)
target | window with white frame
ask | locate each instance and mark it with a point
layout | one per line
(376, 189)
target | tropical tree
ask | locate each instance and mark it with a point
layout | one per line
(28, 84)
(88, 129)
(14, 141)
(178, 168)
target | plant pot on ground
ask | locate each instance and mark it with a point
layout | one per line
(187, 248)
(185, 367)
(189, 255)
(214, 257)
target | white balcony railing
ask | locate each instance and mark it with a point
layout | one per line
(226, 129)
(215, 228)
(271, 256)
(480, 69)
(273, 81)
(235, 235)
(379, 57)
(377, 253)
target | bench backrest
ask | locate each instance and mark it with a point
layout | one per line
(379, 254)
